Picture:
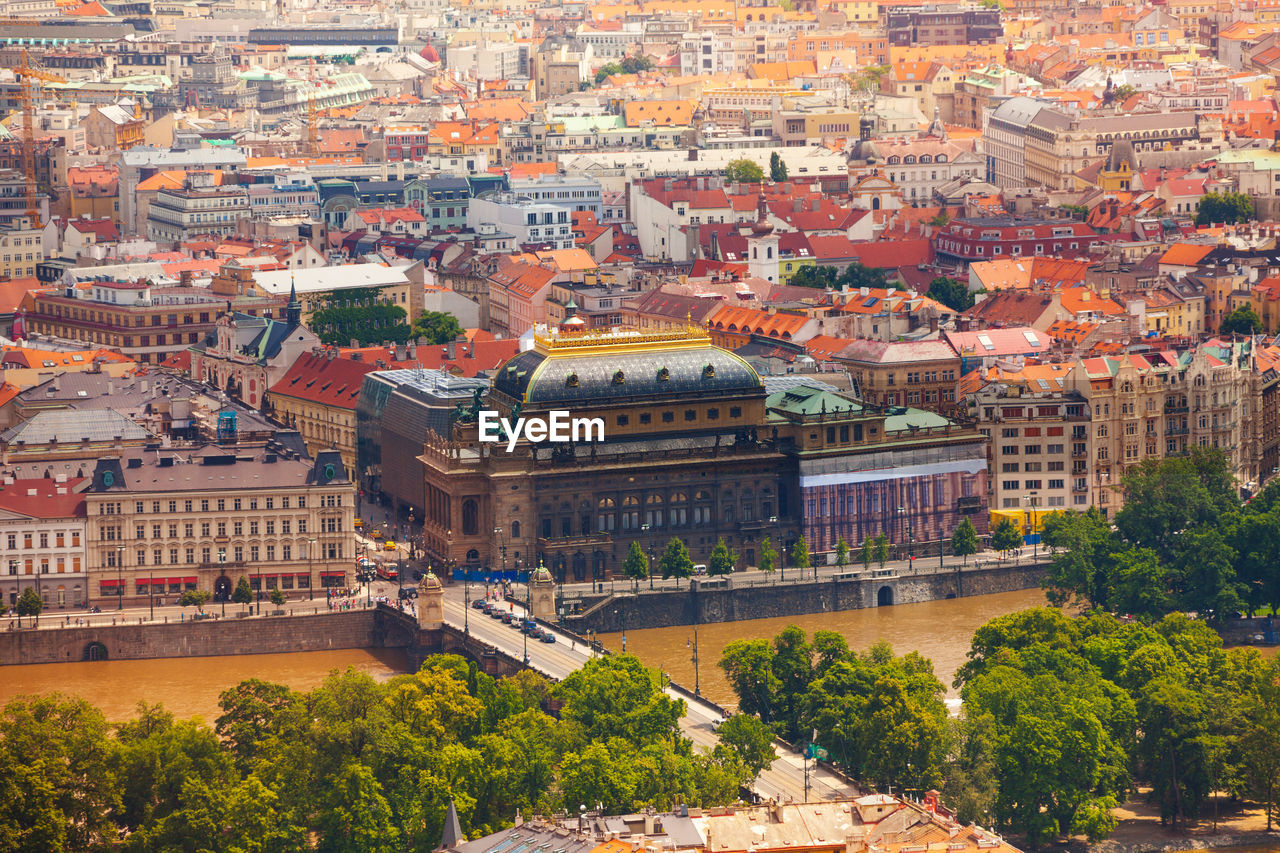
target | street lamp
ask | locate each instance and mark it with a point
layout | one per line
(622, 617)
(905, 515)
(1031, 524)
(697, 681)
(119, 577)
(311, 582)
(222, 571)
(151, 589)
(782, 549)
(647, 528)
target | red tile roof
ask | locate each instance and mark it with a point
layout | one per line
(45, 498)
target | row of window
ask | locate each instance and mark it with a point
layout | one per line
(220, 504)
(1031, 449)
(58, 538)
(268, 527)
(1031, 467)
(161, 557)
(47, 565)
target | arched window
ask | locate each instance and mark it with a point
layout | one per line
(941, 158)
(895, 160)
(909, 160)
(925, 158)
(470, 518)
(515, 530)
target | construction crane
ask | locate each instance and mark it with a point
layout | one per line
(313, 112)
(29, 80)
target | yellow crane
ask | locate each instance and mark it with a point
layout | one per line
(29, 80)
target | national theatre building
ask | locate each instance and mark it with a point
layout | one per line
(693, 447)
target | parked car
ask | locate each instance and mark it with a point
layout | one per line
(496, 613)
(700, 569)
(508, 618)
(479, 604)
(376, 534)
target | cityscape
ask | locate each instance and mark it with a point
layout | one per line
(531, 426)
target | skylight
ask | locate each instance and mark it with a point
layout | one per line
(986, 342)
(1031, 338)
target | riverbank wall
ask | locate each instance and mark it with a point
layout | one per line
(707, 600)
(382, 627)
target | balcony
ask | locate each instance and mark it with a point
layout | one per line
(1176, 410)
(1176, 430)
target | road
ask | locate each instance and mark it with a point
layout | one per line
(783, 781)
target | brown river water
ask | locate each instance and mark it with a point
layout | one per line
(188, 687)
(939, 630)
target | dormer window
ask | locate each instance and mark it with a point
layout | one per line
(708, 371)
(619, 377)
(664, 375)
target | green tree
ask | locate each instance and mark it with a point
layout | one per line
(858, 275)
(439, 327)
(1140, 584)
(1005, 535)
(768, 556)
(723, 559)
(636, 566)
(1242, 321)
(743, 171)
(1123, 92)
(242, 594)
(1083, 562)
(1225, 208)
(800, 554)
(59, 790)
(951, 293)
(869, 77)
(1166, 497)
(942, 220)
(751, 739)
(359, 314)
(1260, 741)
(842, 552)
(817, 276)
(277, 597)
(29, 604)
(196, 598)
(777, 168)
(748, 665)
(882, 549)
(868, 552)
(964, 541)
(675, 561)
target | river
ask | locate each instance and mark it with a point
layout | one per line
(188, 687)
(939, 630)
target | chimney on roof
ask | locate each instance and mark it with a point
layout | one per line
(449, 351)
(411, 350)
(354, 343)
(332, 353)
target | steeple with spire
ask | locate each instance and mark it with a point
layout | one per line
(293, 311)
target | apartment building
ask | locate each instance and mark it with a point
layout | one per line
(199, 208)
(161, 522)
(1039, 456)
(42, 524)
(904, 373)
(1162, 404)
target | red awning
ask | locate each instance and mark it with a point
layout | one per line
(302, 574)
(108, 583)
(333, 574)
(190, 580)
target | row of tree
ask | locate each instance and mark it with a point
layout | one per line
(1063, 718)
(358, 765)
(361, 315)
(1183, 541)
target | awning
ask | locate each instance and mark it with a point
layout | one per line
(333, 574)
(109, 583)
(190, 580)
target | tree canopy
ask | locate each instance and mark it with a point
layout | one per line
(358, 764)
(359, 314)
(1183, 541)
(777, 168)
(439, 327)
(827, 277)
(1242, 321)
(951, 293)
(1225, 208)
(744, 171)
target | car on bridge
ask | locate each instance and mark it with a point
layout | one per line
(546, 637)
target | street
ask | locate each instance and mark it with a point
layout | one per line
(783, 781)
